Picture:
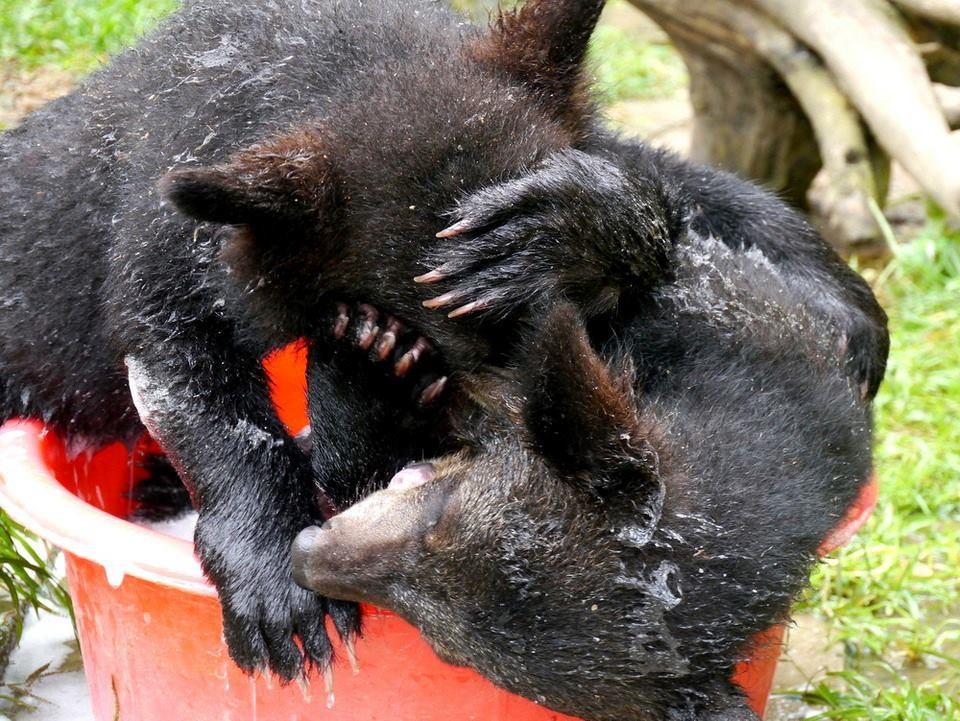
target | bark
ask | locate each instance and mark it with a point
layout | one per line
(874, 60)
(949, 99)
(845, 85)
(744, 119)
(946, 11)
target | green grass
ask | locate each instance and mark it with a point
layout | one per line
(896, 699)
(75, 35)
(26, 582)
(893, 595)
(628, 66)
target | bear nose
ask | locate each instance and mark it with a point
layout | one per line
(412, 476)
(303, 547)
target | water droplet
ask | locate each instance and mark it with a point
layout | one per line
(115, 575)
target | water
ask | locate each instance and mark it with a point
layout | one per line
(181, 527)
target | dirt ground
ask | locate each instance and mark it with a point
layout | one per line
(22, 92)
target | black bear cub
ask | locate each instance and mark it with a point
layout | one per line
(628, 506)
(311, 153)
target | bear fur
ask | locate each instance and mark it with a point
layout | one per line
(309, 153)
(621, 519)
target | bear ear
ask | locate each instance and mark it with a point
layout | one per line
(544, 45)
(291, 180)
(581, 415)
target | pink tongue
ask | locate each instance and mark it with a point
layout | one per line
(412, 476)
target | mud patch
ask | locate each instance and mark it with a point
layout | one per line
(808, 656)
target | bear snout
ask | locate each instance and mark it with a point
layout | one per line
(304, 549)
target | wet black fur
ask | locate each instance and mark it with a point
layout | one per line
(630, 509)
(321, 145)
(160, 495)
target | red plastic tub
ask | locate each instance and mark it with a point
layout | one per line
(149, 623)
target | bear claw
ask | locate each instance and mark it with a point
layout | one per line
(433, 391)
(369, 330)
(388, 340)
(410, 358)
(342, 321)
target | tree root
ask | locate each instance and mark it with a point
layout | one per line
(944, 11)
(877, 65)
(742, 120)
(856, 73)
(844, 146)
(949, 99)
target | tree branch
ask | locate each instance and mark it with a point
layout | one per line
(843, 146)
(945, 11)
(877, 66)
(949, 98)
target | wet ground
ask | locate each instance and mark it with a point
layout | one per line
(806, 659)
(44, 681)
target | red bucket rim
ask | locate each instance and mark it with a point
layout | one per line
(854, 519)
(33, 497)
